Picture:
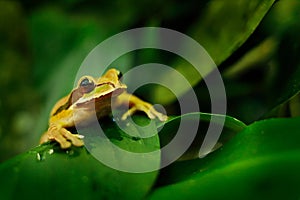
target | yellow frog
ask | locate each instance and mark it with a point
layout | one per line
(92, 97)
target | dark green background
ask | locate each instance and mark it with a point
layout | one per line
(255, 45)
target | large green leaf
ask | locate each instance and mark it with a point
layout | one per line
(51, 173)
(78, 174)
(221, 29)
(231, 127)
(261, 161)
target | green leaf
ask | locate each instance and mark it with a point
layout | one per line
(288, 89)
(221, 29)
(77, 172)
(50, 173)
(231, 127)
(262, 161)
(225, 26)
(180, 170)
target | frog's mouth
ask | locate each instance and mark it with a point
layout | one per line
(99, 98)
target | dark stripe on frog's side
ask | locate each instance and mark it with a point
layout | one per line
(76, 94)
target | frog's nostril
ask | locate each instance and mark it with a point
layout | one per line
(120, 75)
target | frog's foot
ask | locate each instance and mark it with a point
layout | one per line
(64, 137)
(146, 108)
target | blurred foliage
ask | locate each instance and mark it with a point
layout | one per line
(49, 40)
(254, 164)
(255, 45)
(220, 31)
(19, 100)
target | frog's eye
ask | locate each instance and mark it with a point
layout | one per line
(86, 85)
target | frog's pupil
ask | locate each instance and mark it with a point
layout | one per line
(85, 82)
(87, 85)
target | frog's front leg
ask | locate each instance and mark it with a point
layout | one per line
(136, 104)
(61, 135)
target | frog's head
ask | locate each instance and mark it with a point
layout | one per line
(90, 89)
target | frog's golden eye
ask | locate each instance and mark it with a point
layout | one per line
(86, 85)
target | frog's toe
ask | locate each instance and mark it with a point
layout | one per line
(161, 117)
(152, 113)
(75, 139)
(63, 142)
(148, 109)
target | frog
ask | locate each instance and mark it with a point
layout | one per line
(93, 98)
